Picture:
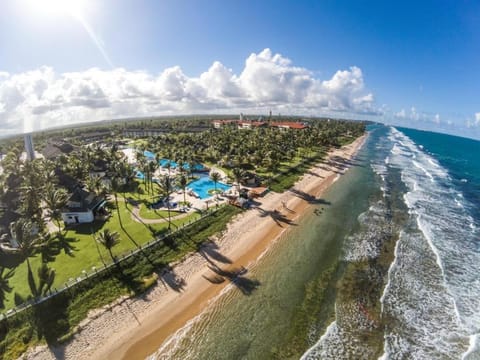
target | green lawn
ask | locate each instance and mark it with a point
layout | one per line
(141, 194)
(147, 213)
(86, 252)
(54, 320)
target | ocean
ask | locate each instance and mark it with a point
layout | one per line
(386, 266)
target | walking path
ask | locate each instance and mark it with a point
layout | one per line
(135, 213)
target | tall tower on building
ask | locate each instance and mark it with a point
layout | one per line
(29, 147)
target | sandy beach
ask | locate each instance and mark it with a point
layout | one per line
(133, 328)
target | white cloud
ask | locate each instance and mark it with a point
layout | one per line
(475, 123)
(415, 116)
(271, 79)
(43, 98)
(445, 123)
(402, 114)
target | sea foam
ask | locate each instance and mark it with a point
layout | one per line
(441, 262)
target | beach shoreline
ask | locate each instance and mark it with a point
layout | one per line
(134, 328)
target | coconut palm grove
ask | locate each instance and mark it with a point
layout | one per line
(93, 213)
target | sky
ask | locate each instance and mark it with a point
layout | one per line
(408, 63)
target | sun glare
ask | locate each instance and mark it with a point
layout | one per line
(74, 8)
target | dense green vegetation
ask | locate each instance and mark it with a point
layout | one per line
(287, 177)
(54, 320)
(263, 150)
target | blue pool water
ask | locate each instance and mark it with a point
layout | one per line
(149, 155)
(163, 162)
(186, 166)
(202, 185)
(196, 167)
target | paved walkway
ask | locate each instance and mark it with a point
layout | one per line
(198, 205)
(136, 216)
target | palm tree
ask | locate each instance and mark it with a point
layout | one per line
(4, 285)
(191, 162)
(12, 162)
(215, 176)
(168, 166)
(30, 202)
(152, 167)
(182, 182)
(55, 200)
(115, 188)
(47, 168)
(142, 165)
(94, 184)
(238, 174)
(28, 240)
(117, 170)
(123, 172)
(181, 166)
(166, 188)
(108, 239)
(33, 179)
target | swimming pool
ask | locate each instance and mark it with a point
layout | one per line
(202, 185)
(173, 164)
(149, 155)
(186, 166)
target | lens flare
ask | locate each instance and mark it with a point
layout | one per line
(77, 9)
(74, 8)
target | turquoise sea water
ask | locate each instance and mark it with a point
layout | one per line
(385, 265)
(459, 156)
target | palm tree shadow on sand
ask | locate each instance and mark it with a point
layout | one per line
(171, 280)
(210, 250)
(235, 276)
(276, 216)
(309, 198)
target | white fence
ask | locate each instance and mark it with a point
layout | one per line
(94, 272)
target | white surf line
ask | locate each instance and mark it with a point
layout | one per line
(329, 329)
(439, 262)
(473, 347)
(413, 147)
(390, 270)
(384, 356)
